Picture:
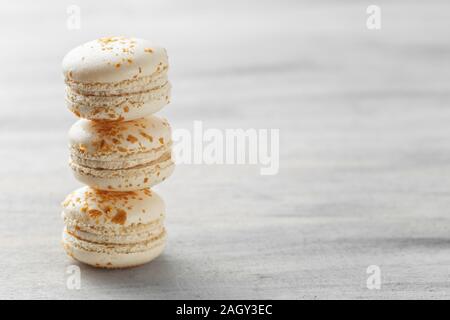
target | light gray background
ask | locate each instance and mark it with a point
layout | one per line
(365, 158)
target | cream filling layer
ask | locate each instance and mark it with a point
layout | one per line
(134, 85)
(142, 169)
(141, 246)
(120, 161)
(112, 238)
(136, 99)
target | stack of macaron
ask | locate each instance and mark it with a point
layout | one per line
(119, 149)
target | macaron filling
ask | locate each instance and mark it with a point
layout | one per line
(161, 163)
(130, 86)
(114, 162)
(113, 249)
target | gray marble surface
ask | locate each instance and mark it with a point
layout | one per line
(364, 149)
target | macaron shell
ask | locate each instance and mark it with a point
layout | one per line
(109, 140)
(113, 59)
(113, 209)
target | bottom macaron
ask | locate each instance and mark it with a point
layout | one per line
(109, 229)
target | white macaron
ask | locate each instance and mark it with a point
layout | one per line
(113, 229)
(116, 78)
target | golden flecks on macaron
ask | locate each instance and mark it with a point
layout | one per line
(97, 138)
(119, 152)
(115, 207)
(120, 217)
(106, 55)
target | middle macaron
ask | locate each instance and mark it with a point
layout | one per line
(121, 156)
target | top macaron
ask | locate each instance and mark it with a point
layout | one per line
(116, 78)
